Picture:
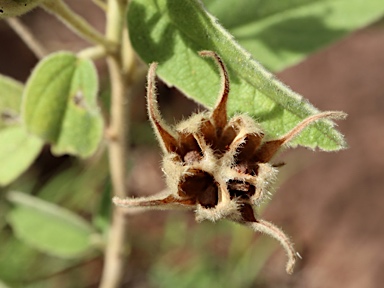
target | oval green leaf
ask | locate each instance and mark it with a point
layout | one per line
(281, 33)
(10, 101)
(60, 104)
(48, 227)
(18, 149)
(171, 32)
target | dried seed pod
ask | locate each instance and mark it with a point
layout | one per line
(218, 167)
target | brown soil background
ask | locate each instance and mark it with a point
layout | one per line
(335, 204)
(332, 204)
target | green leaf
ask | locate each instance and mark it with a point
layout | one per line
(18, 259)
(171, 32)
(282, 33)
(10, 100)
(77, 184)
(17, 152)
(2, 285)
(102, 219)
(60, 104)
(18, 149)
(48, 227)
(16, 7)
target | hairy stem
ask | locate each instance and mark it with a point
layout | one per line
(78, 24)
(26, 35)
(116, 249)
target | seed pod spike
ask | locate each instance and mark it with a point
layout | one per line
(156, 202)
(166, 136)
(269, 149)
(219, 114)
(296, 130)
(276, 233)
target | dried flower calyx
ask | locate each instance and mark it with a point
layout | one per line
(218, 166)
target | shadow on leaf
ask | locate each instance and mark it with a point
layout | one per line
(299, 35)
(153, 36)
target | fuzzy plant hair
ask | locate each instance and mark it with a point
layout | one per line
(216, 166)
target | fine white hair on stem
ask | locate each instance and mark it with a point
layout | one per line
(276, 233)
(337, 115)
(167, 137)
(269, 149)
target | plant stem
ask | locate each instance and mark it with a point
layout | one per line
(116, 251)
(26, 35)
(78, 24)
(101, 4)
(95, 52)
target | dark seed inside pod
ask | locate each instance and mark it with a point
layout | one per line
(247, 168)
(240, 189)
(201, 186)
(247, 213)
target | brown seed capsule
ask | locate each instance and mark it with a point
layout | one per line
(218, 167)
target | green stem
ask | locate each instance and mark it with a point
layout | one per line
(94, 53)
(78, 24)
(29, 39)
(101, 4)
(116, 249)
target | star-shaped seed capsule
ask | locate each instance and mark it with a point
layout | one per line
(216, 166)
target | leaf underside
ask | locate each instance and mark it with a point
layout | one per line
(18, 149)
(172, 32)
(282, 33)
